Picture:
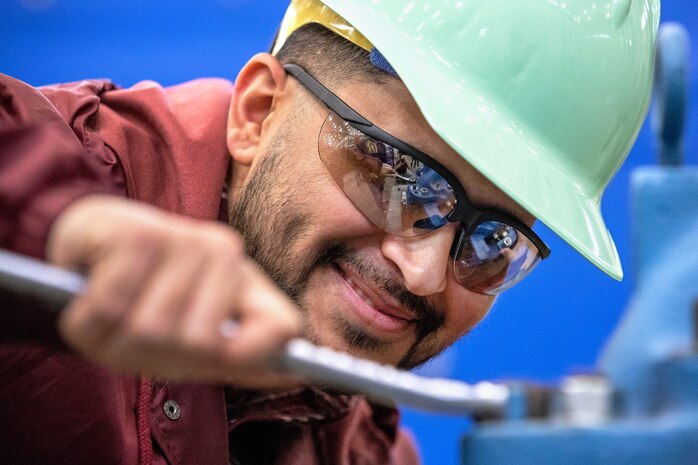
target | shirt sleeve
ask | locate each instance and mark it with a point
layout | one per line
(48, 159)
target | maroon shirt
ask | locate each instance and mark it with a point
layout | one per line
(164, 146)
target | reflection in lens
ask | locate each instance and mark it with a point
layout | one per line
(395, 191)
(402, 196)
(494, 257)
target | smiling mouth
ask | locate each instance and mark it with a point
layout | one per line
(360, 293)
(372, 307)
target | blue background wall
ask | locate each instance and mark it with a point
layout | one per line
(553, 324)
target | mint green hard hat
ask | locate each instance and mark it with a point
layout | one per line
(543, 97)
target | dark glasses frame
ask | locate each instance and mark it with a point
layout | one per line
(464, 211)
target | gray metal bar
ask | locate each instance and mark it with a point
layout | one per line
(383, 384)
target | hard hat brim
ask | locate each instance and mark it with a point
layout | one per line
(551, 194)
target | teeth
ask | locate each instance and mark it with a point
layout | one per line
(360, 293)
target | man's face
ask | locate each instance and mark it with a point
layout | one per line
(388, 298)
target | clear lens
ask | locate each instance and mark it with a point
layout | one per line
(392, 189)
(493, 258)
(402, 196)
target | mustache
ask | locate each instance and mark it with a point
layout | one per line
(430, 319)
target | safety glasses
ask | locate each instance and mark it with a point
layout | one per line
(405, 192)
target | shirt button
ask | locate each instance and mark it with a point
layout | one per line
(171, 409)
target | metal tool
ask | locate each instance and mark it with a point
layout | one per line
(53, 288)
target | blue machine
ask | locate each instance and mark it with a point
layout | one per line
(641, 407)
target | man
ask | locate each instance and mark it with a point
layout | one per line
(381, 173)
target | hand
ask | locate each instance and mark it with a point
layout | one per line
(160, 289)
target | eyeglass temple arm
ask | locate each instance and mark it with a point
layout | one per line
(337, 105)
(330, 100)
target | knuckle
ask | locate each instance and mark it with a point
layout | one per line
(199, 342)
(105, 312)
(70, 331)
(287, 329)
(110, 304)
(76, 329)
(283, 319)
(294, 323)
(225, 241)
(142, 332)
(145, 238)
(208, 241)
(93, 310)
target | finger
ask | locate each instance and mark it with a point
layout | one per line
(220, 298)
(162, 302)
(268, 319)
(148, 335)
(211, 305)
(112, 288)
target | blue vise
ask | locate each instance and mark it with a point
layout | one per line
(641, 407)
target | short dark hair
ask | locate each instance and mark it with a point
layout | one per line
(329, 57)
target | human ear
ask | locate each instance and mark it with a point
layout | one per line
(257, 87)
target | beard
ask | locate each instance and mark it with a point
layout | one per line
(271, 216)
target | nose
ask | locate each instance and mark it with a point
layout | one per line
(422, 260)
